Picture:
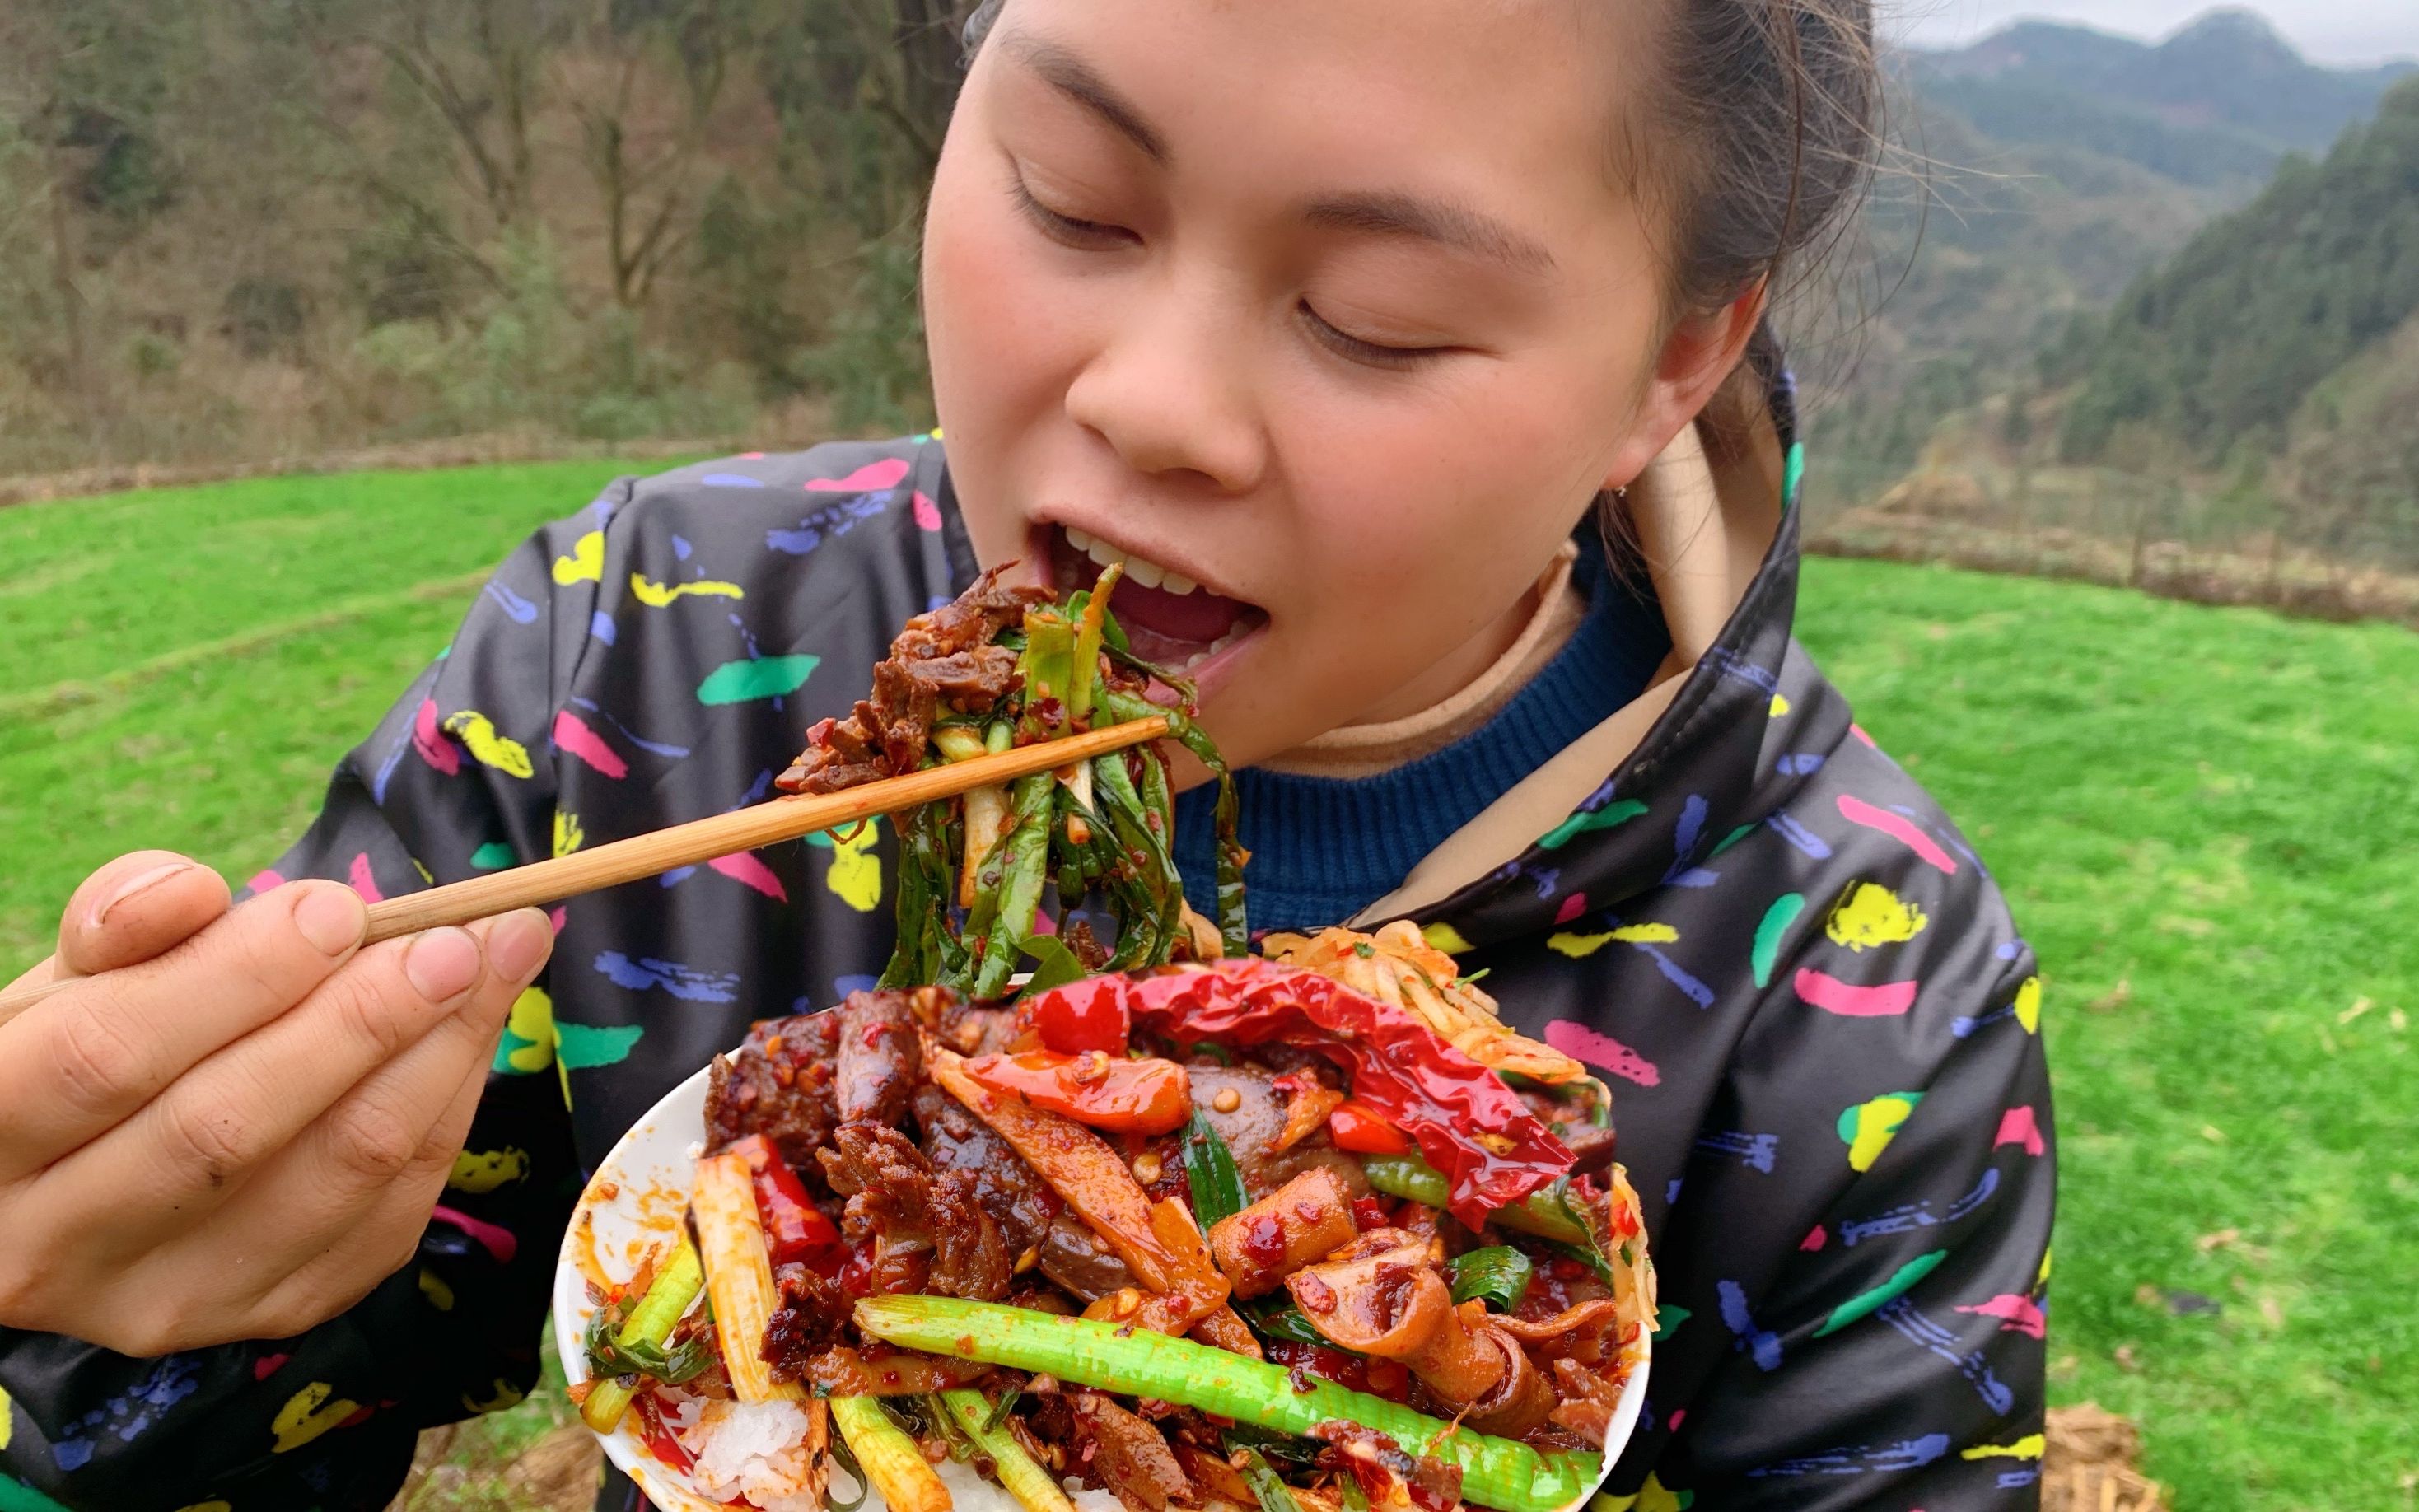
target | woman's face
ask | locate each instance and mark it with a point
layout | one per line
(1328, 318)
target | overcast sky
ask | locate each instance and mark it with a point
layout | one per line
(2331, 31)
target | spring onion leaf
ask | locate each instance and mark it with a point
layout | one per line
(1268, 1488)
(1279, 1318)
(1498, 1275)
(1057, 967)
(1209, 1168)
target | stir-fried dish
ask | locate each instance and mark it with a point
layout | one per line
(1172, 1227)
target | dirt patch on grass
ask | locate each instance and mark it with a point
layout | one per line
(2087, 1464)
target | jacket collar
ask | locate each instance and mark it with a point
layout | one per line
(1717, 526)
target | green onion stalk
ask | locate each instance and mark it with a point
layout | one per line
(1497, 1473)
(974, 874)
(636, 1348)
(972, 1414)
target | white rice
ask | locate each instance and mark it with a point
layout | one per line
(756, 1451)
(752, 1449)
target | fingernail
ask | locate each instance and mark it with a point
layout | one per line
(442, 963)
(140, 882)
(331, 918)
(519, 943)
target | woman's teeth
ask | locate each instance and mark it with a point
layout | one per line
(1196, 658)
(1141, 569)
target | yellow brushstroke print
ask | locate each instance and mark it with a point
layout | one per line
(855, 875)
(2029, 1004)
(1574, 946)
(1780, 705)
(478, 1171)
(528, 1033)
(586, 564)
(568, 835)
(1651, 1497)
(501, 1394)
(6, 1428)
(1869, 914)
(2027, 1448)
(433, 1287)
(1870, 1126)
(307, 1414)
(655, 596)
(477, 733)
(1445, 938)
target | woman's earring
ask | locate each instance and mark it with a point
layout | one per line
(1621, 494)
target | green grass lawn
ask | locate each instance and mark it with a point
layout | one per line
(2204, 817)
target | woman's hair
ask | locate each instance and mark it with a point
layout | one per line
(1759, 139)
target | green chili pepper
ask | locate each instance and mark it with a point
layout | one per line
(1546, 1212)
(1496, 1472)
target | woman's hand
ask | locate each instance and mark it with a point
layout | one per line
(235, 1124)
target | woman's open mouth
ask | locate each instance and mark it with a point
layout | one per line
(1172, 620)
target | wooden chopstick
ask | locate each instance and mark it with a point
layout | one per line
(702, 839)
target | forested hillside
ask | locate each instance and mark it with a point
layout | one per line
(272, 230)
(2225, 343)
(278, 226)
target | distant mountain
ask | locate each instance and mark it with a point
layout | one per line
(2224, 344)
(2220, 102)
(2065, 163)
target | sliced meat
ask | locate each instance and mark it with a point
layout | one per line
(898, 1202)
(779, 1085)
(1117, 1450)
(1080, 1260)
(943, 655)
(846, 1372)
(805, 1322)
(970, 680)
(877, 1060)
(1254, 1125)
(1009, 1189)
(972, 1030)
(1571, 1119)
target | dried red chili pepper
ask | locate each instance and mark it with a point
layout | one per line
(1466, 1122)
(1146, 1096)
(1072, 1023)
(1362, 1129)
(794, 1227)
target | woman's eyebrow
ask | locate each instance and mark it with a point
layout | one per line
(1078, 80)
(1441, 221)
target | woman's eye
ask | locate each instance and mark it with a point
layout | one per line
(1369, 353)
(1067, 229)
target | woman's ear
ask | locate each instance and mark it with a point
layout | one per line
(1699, 353)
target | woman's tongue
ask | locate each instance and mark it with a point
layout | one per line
(1171, 628)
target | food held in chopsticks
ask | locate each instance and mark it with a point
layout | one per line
(1296, 1234)
(997, 668)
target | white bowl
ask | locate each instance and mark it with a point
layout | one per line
(636, 1202)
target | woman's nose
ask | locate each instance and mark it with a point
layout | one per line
(1170, 394)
